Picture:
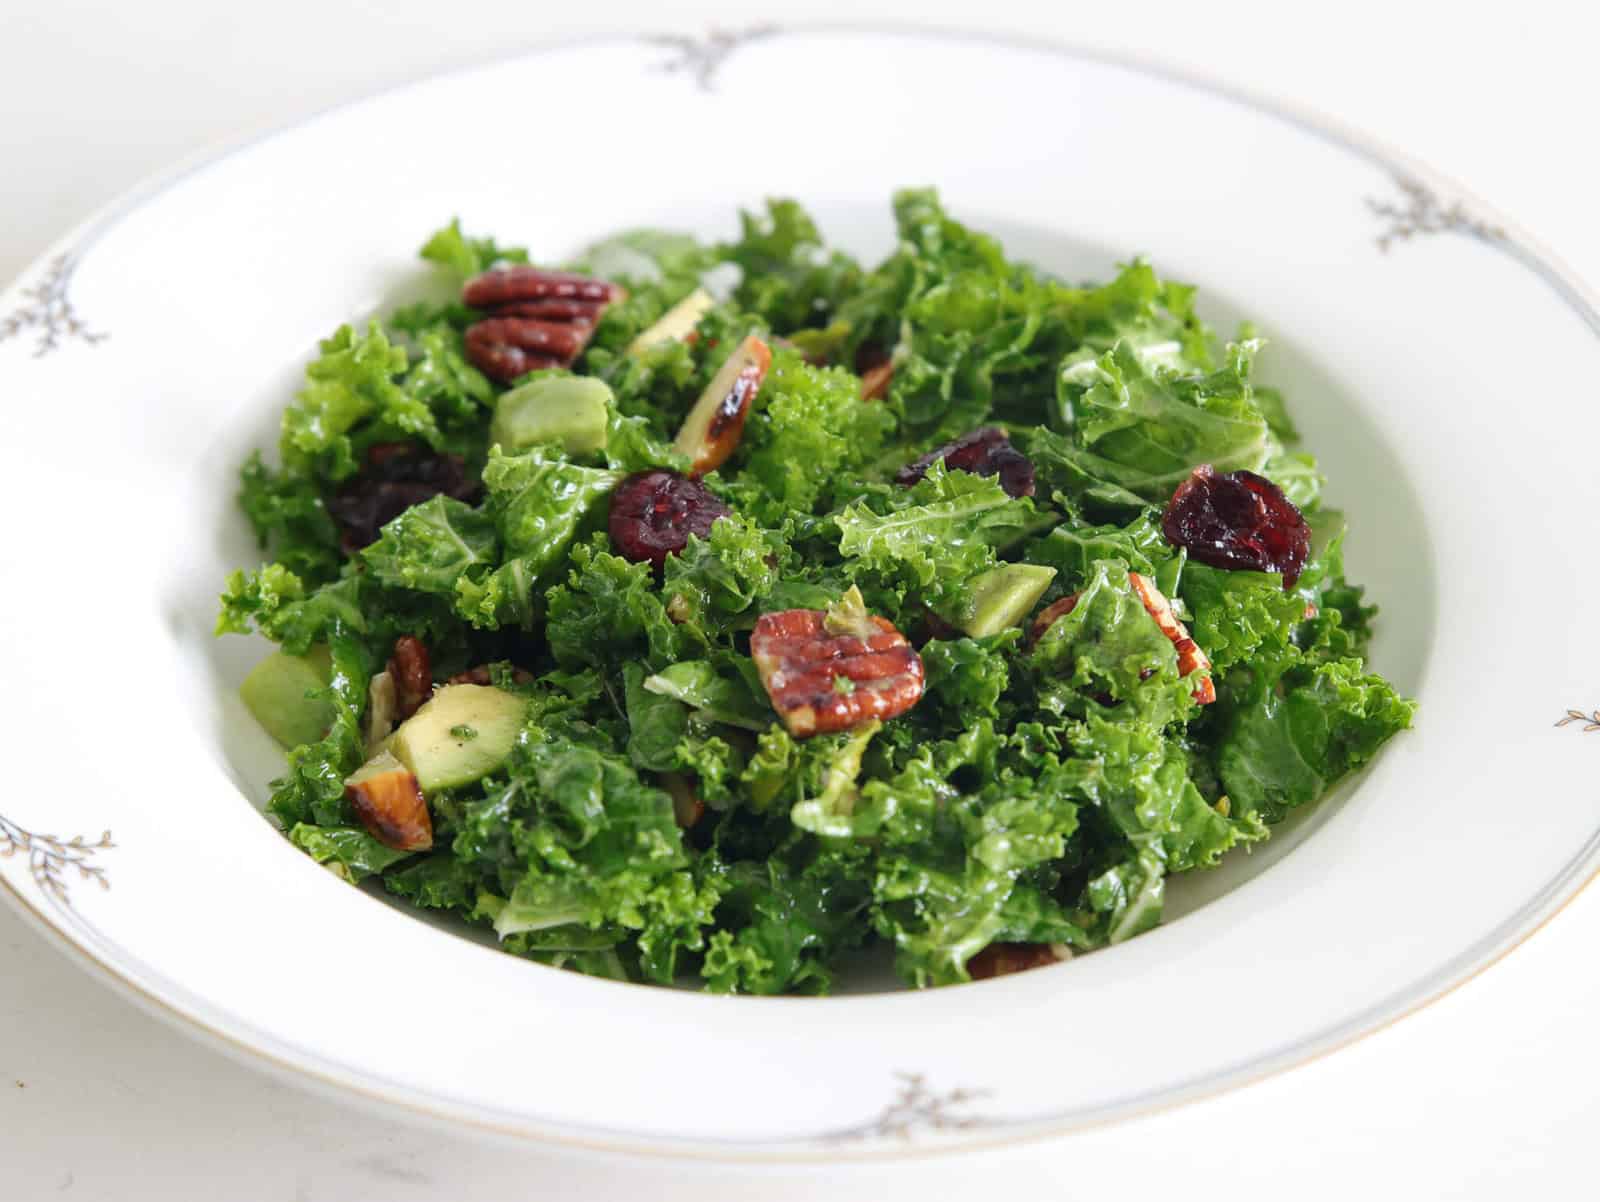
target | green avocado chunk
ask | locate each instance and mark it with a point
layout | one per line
(275, 694)
(1002, 597)
(569, 410)
(464, 732)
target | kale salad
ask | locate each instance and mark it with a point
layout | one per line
(718, 612)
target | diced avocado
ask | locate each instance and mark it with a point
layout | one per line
(464, 732)
(570, 410)
(1002, 597)
(275, 693)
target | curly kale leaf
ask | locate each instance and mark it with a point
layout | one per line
(466, 257)
(432, 546)
(540, 504)
(578, 840)
(788, 276)
(1290, 739)
(808, 440)
(929, 540)
(609, 612)
(287, 514)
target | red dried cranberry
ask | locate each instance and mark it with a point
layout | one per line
(654, 513)
(1238, 521)
(397, 476)
(985, 452)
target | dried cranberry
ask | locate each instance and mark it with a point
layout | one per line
(1239, 521)
(985, 452)
(397, 476)
(654, 513)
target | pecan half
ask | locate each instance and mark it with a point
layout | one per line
(580, 312)
(507, 285)
(412, 672)
(820, 681)
(999, 959)
(533, 318)
(1190, 658)
(519, 340)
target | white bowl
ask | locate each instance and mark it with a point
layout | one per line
(1436, 362)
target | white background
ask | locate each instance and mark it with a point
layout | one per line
(1487, 1094)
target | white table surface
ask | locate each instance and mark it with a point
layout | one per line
(1487, 1094)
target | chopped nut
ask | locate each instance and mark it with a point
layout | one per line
(1000, 959)
(388, 801)
(1049, 614)
(716, 423)
(687, 808)
(875, 382)
(1190, 658)
(412, 674)
(382, 706)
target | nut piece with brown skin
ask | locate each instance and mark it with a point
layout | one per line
(1049, 614)
(821, 679)
(875, 366)
(388, 802)
(875, 384)
(1001, 959)
(716, 423)
(382, 706)
(1191, 659)
(687, 808)
(533, 318)
(410, 669)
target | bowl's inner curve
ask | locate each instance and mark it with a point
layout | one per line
(1387, 549)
